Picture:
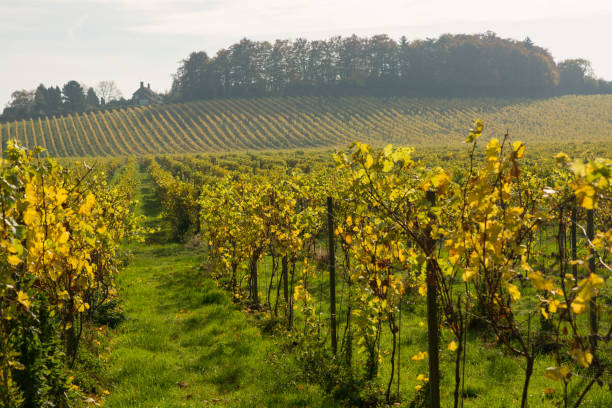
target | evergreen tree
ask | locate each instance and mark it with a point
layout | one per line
(74, 97)
(92, 99)
(54, 101)
(40, 100)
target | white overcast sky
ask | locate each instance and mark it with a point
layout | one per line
(53, 41)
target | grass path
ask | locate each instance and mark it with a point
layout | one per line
(184, 344)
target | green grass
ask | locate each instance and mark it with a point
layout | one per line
(184, 344)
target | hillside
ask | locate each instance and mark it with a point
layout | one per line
(301, 122)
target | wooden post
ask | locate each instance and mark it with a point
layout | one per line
(253, 273)
(432, 315)
(285, 272)
(332, 273)
(593, 301)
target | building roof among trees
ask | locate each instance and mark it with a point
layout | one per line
(143, 94)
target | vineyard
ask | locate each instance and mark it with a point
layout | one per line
(307, 122)
(475, 275)
(482, 280)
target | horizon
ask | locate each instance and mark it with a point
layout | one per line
(128, 41)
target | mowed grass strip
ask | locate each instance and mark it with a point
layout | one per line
(185, 344)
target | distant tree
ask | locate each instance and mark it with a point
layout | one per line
(74, 97)
(604, 87)
(20, 106)
(118, 103)
(22, 99)
(576, 76)
(243, 60)
(108, 91)
(276, 66)
(490, 35)
(40, 100)
(54, 100)
(403, 52)
(191, 80)
(92, 99)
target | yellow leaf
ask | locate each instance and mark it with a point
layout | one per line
(30, 216)
(578, 306)
(16, 365)
(587, 202)
(579, 168)
(583, 357)
(63, 238)
(557, 373)
(419, 356)
(23, 298)
(387, 165)
(493, 149)
(388, 149)
(82, 307)
(423, 289)
(368, 161)
(587, 288)
(476, 132)
(440, 180)
(90, 201)
(585, 193)
(468, 274)
(452, 346)
(61, 196)
(596, 280)
(515, 294)
(540, 282)
(553, 305)
(519, 149)
(422, 377)
(516, 211)
(14, 260)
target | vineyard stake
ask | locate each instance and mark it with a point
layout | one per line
(432, 315)
(332, 273)
(285, 271)
(573, 238)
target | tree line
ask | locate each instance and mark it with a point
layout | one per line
(72, 97)
(451, 65)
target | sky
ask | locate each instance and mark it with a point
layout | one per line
(128, 41)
